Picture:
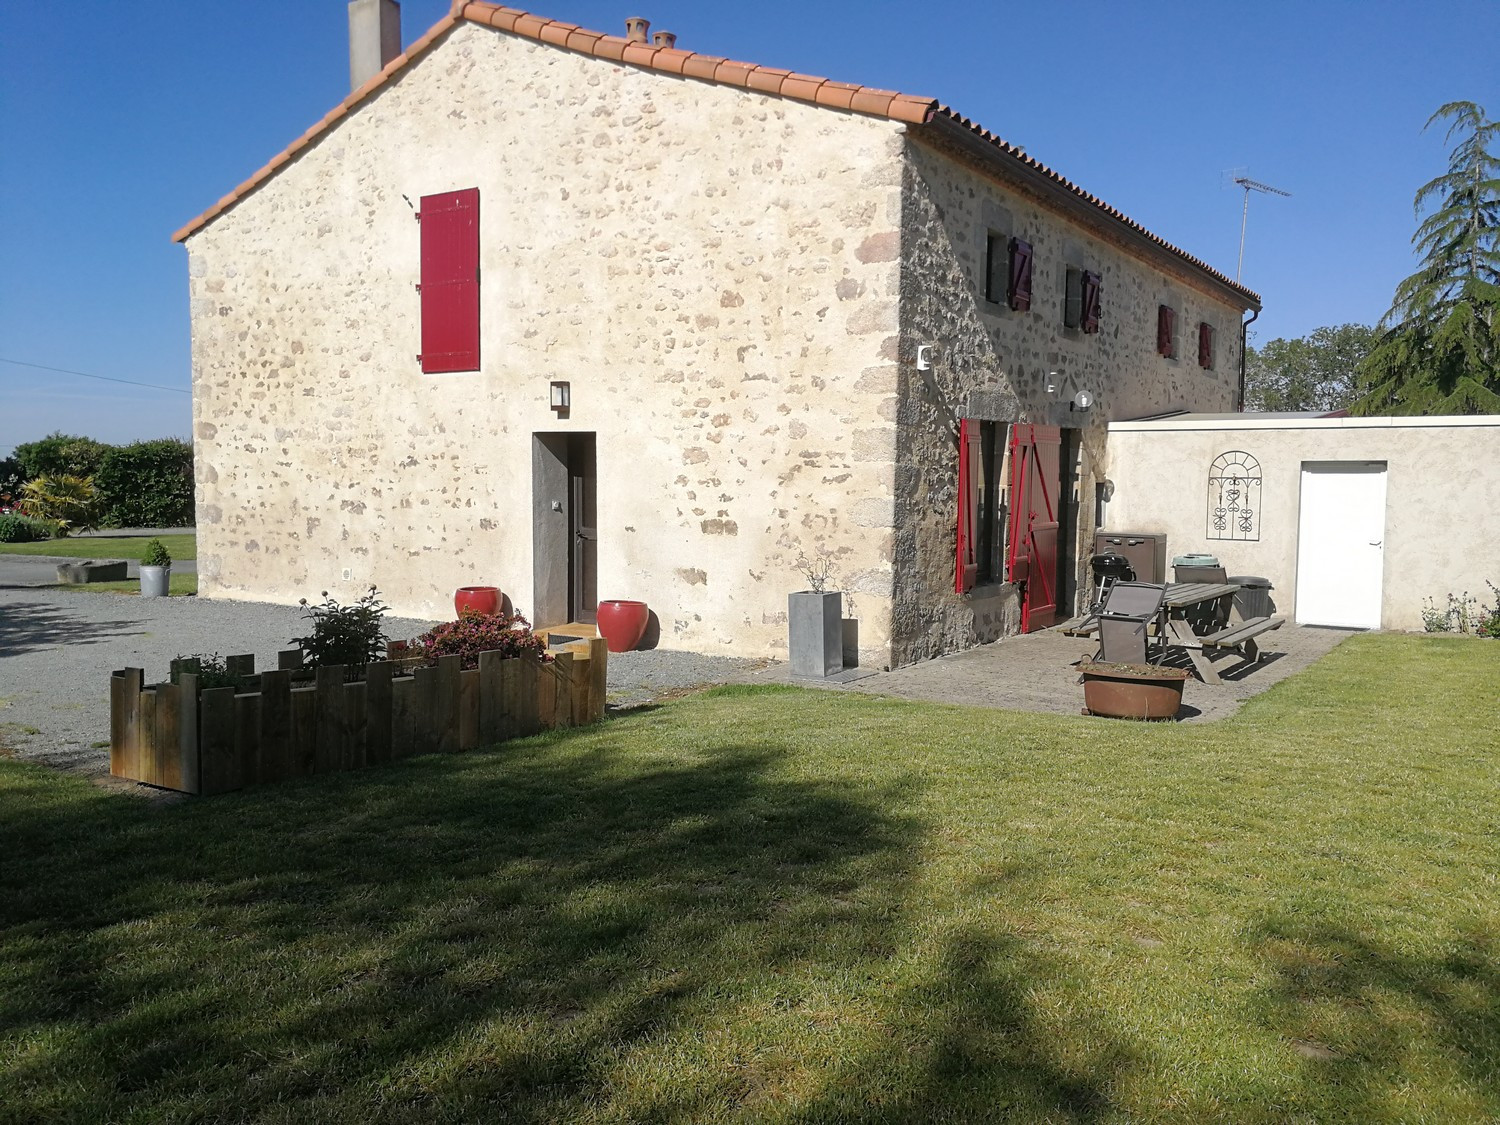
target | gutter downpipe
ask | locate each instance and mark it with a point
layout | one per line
(1244, 348)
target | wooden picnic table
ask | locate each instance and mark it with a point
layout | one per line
(1238, 636)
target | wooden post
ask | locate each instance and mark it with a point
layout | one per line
(552, 702)
(468, 709)
(218, 766)
(448, 668)
(599, 678)
(354, 752)
(378, 711)
(247, 737)
(492, 678)
(187, 732)
(167, 741)
(124, 723)
(240, 665)
(289, 659)
(328, 757)
(304, 755)
(529, 673)
(403, 706)
(145, 738)
(424, 730)
(579, 707)
(275, 727)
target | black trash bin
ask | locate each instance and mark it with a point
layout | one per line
(1254, 598)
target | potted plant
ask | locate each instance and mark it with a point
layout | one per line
(156, 570)
(1131, 691)
(815, 624)
(622, 623)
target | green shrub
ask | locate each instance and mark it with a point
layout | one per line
(12, 477)
(24, 529)
(58, 455)
(156, 554)
(71, 502)
(147, 484)
(474, 632)
(344, 634)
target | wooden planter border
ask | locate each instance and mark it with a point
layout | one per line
(269, 729)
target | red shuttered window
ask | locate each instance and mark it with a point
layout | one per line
(450, 281)
(1205, 345)
(1093, 288)
(1166, 330)
(1020, 275)
(970, 466)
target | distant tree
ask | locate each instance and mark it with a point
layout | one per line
(1315, 372)
(1438, 350)
(60, 454)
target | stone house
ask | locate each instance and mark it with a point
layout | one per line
(589, 316)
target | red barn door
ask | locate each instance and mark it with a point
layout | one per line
(1034, 487)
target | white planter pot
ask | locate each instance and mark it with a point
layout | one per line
(156, 581)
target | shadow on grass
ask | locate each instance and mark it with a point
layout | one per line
(1361, 1017)
(552, 931)
(28, 626)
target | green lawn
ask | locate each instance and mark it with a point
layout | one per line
(783, 905)
(180, 586)
(105, 547)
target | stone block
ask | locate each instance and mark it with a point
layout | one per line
(87, 570)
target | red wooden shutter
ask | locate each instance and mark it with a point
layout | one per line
(1166, 318)
(970, 465)
(1032, 548)
(450, 281)
(1020, 275)
(1205, 344)
(1092, 294)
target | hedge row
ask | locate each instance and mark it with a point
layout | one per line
(144, 484)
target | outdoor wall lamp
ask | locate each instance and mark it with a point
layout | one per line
(561, 396)
(1054, 380)
(924, 356)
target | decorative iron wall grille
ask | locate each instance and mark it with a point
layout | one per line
(1234, 496)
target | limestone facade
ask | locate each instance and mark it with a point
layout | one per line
(733, 283)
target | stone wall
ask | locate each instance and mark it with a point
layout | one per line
(715, 271)
(991, 362)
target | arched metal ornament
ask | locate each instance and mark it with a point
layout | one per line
(1234, 497)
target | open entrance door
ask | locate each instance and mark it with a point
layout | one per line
(565, 529)
(1035, 516)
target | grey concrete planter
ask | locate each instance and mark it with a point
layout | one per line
(815, 629)
(155, 581)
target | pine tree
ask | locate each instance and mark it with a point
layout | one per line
(1439, 352)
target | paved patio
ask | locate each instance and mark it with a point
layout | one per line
(1035, 673)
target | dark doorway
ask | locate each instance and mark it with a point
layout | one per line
(583, 531)
(565, 530)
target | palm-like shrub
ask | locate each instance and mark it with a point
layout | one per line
(71, 502)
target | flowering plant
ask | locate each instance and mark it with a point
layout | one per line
(344, 634)
(506, 633)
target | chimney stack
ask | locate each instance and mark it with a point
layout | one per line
(636, 28)
(374, 38)
(667, 39)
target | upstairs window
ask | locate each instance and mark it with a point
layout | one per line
(1083, 300)
(1206, 346)
(994, 268)
(450, 281)
(1166, 331)
(1018, 290)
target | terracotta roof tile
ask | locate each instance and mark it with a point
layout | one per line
(907, 108)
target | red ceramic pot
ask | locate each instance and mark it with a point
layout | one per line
(622, 624)
(481, 599)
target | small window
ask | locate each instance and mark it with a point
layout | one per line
(1166, 331)
(1019, 290)
(1083, 300)
(994, 268)
(1206, 346)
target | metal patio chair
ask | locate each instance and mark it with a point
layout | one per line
(1130, 610)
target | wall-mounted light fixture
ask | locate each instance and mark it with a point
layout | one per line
(924, 356)
(1082, 400)
(1054, 381)
(561, 396)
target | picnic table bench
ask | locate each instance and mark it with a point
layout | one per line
(1240, 637)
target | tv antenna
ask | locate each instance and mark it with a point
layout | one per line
(1250, 185)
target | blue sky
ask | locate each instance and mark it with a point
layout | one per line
(119, 122)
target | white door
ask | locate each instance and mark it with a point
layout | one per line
(1341, 543)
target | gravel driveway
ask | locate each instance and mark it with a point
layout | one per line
(58, 647)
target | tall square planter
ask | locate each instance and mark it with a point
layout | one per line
(815, 626)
